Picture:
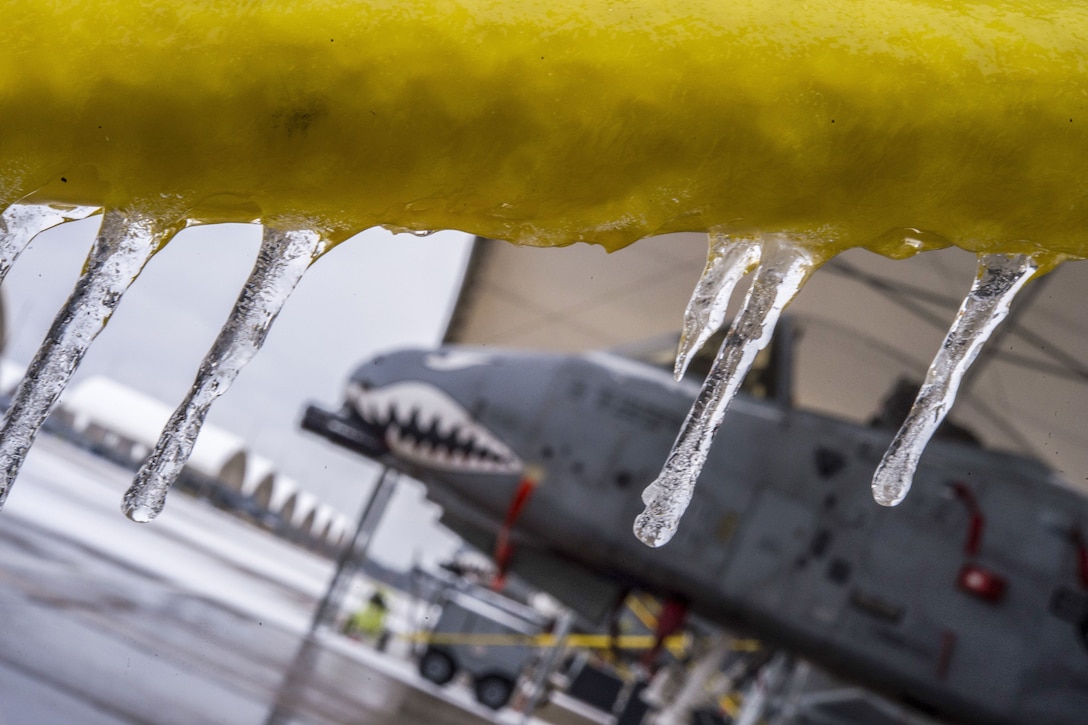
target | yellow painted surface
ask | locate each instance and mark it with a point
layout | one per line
(677, 643)
(554, 121)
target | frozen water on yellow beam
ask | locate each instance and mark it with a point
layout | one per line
(728, 260)
(1000, 277)
(566, 120)
(125, 242)
(281, 262)
(20, 223)
(785, 264)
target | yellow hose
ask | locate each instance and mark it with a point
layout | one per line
(549, 122)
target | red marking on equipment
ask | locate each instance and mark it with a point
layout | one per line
(673, 615)
(982, 583)
(977, 525)
(504, 549)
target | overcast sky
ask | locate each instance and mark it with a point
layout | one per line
(372, 293)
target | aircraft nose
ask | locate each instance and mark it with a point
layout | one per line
(427, 403)
(384, 369)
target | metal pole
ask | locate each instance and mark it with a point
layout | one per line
(351, 556)
(694, 688)
(791, 706)
(562, 630)
(763, 688)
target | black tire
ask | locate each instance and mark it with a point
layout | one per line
(437, 667)
(494, 691)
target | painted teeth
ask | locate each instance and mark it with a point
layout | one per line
(425, 425)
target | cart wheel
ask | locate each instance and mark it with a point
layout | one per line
(436, 666)
(493, 691)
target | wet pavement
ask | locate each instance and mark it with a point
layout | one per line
(194, 618)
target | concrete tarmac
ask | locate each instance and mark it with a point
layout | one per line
(194, 618)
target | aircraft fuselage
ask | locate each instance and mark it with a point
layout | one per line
(965, 600)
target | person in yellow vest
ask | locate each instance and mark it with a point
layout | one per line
(368, 624)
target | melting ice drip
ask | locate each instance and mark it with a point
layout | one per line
(125, 243)
(128, 239)
(729, 260)
(1000, 277)
(785, 264)
(20, 223)
(281, 262)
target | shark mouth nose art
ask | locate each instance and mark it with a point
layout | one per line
(426, 426)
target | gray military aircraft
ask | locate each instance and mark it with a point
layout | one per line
(968, 601)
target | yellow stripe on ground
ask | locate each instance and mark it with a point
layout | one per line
(676, 644)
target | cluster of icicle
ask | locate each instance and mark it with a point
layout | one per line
(782, 264)
(125, 243)
(127, 240)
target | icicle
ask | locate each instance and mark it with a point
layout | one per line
(281, 262)
(786, 264)
(729, 259)
(20, 223)
(124, 244)
(998, 280)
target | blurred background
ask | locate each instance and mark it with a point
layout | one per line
(866, 323)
